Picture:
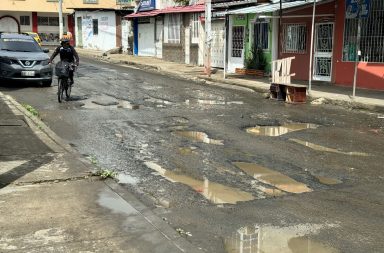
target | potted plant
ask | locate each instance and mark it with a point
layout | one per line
(256, 62)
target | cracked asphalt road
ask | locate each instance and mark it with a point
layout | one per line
(184, 149)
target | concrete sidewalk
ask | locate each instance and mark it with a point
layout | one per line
(329, 94)
(50, 202)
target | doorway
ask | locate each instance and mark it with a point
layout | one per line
(323, 52)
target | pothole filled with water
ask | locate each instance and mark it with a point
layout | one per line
(279, 130)
(159, 102)
(326, 149)
(199, 137)
(214, 192)
(108, 103)
(212, 102)
(127, 179)
(272, 177)
(272, 239)
(328, 180)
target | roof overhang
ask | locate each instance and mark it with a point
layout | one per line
(271, 7)
(169, 10)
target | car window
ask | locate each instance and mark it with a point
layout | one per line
(19, 45)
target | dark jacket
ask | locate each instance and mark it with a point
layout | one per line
(68, 54)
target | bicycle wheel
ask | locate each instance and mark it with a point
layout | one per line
(68, 89)
(60, 91)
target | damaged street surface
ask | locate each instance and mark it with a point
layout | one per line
(226, 169)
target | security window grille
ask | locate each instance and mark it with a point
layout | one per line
(372, 35)
(42, 21)
(53, 21)
(95, 25)
(174, 23)
(25, 20)
(294, 38)
(237, 41)
(195, 27)
(261, 35)
(48, 21)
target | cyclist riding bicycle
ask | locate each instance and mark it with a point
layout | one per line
(68, 54)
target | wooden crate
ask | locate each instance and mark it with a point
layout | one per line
(296, 94)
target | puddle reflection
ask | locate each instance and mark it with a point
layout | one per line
(213, 102)
(216, 193)
(280, 130)
(198, 136)
(127, 179)
(94, 104)
(271, 177)
(328, 180)
(325, 149)
(270, 239)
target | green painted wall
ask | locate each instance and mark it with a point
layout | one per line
(247, 21)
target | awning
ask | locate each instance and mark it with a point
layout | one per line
(271, 7)
(169, 10)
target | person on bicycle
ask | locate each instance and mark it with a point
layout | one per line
(68, 54)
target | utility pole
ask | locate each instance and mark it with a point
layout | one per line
(311, 50)
(61, 29)
(208, 37)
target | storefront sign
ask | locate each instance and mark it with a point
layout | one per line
(357, 8)
(147, 5)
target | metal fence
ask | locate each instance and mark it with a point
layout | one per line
(372, 35)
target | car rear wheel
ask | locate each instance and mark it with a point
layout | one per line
(47, 83)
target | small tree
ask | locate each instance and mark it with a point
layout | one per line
(255, 59)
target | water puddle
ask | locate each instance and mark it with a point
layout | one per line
(115, 203)
(280, 130)
(271, 239)
(213, 102)
(158, 101)
(328, 180)
(271, 192)
(127, 179)
(199, 137)
(271, 177)
(111, 104)
(216, 193)
(326, 149)
(187, 150)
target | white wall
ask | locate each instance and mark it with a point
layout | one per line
(106, 38)
(23, 28)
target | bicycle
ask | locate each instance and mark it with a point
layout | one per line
(62, 72)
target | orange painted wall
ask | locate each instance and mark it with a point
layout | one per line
(369, 75)
(300, 65)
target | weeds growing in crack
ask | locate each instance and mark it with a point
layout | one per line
(30, 109)
(93, 159)
(105, 173)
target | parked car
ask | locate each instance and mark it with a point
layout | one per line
(22, 59)
(35, 36)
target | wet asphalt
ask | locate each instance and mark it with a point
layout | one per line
(177, 146)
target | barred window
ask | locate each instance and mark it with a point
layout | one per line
(372, 35)
(25, 20)
(48, 21)
(237, 41)
(195, 27)
(261, 32)
(294, 38)
(174, 23)
(42, 21)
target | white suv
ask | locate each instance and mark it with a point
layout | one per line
(22, 59)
